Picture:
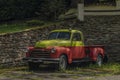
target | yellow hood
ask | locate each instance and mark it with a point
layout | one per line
(47, 43)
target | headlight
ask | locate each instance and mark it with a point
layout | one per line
(53, 50)
(28, 49)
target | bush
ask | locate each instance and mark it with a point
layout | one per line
(50, 10)
(20, 9)
(17, 9)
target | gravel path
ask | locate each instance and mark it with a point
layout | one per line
(21, 75)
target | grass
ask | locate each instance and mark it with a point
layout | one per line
(7, 28)
(23, 26)
(111, 68)
(16, 73)
(93, 70)
(86, 72)
(4, 70)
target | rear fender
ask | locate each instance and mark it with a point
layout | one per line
(96, 52)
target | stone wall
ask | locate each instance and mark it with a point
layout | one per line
(98, 30)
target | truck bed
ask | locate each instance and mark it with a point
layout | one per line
(91, 51)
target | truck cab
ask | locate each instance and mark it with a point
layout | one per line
(63, 47)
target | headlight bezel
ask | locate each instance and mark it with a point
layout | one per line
(53, 50)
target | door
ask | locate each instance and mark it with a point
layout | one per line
(77, 46)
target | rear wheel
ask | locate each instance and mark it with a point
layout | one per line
(33, 66)
(105, 60)
(63, 62)
(99, 60)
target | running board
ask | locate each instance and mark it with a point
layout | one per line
(82, 60)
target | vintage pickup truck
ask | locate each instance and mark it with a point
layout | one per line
(62, 48)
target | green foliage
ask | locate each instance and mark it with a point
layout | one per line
(20, 9)
(51, 9)
(16, 9)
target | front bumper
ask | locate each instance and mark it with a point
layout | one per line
(41, 60)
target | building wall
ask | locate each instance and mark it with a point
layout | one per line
(97, 30)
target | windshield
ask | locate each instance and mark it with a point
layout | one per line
(59, 35)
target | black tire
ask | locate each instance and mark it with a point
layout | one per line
(63, 62)
(105, 60)
(33, 66)
(99, 60)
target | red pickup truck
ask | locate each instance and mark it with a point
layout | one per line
(62, 48)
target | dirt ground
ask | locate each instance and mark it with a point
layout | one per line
(51, 74)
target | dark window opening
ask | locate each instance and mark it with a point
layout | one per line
(76, 37)
(59, 35)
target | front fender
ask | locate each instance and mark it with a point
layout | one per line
(64, 51)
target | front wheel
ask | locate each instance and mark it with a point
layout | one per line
(63, 62)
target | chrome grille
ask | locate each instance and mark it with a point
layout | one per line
(37, 53)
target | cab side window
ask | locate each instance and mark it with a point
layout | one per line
(76, 37)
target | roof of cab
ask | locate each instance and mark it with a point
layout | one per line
(66, 30)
